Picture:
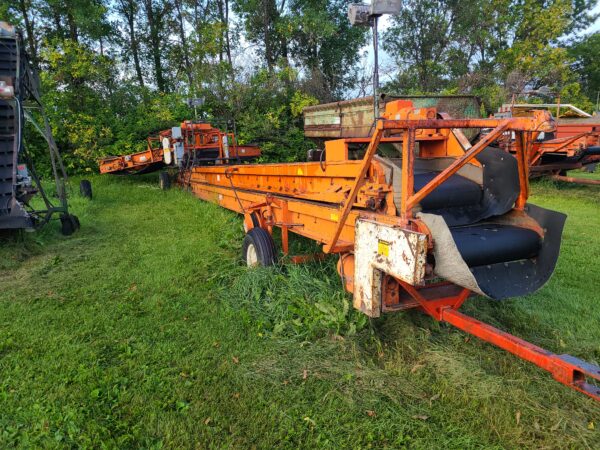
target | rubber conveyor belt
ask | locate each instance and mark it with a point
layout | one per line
(485, 244)
(478, 243)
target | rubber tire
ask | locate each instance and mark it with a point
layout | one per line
(255, 220)
(264, 245)
(85, 189)
(69, 224)
(164, 181)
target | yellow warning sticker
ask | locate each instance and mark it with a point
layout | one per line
(383, 248)
(299, 172)
(334, 217)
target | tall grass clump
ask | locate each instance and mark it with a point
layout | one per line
(306, 301)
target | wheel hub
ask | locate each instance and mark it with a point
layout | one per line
(251, 256)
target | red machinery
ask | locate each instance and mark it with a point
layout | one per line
(575, 144)
(192, 143)
(419, 217)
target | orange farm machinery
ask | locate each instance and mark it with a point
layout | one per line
(418, 216)
(575, 143)
(190, 144)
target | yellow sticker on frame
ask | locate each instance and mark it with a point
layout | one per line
(383, 248)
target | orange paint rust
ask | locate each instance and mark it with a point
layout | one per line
(300, 180)
(570, 140)
(318, 221)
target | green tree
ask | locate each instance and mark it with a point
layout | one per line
(536, 56)
(155, 12)
(325, 45)
(418, 40)
(264, 26)
(490, 48)
(129, 12)
(586, 52)
(79, 110)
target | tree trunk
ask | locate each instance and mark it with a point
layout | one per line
(58, 24)
(267, 34)
(184, 44)
(30, 28)
(73, 33)
(154, 21)
(227, 42)
(128, 10)
(222, 20)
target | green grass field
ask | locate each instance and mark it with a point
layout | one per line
(144, 330)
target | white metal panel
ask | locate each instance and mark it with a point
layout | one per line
(379, 249)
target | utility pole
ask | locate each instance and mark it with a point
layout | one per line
(375, 68)
(368, 15)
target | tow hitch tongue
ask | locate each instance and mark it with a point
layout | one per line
(566, 369)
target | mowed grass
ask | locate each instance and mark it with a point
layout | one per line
(145, 330)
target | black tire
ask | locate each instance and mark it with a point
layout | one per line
(258, 248)
(85, 189)
(69, 224)
(76, 221)
(255, 220)
(164, 181)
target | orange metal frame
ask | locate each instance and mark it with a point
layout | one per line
(134, 161)
(566, 145)
(203, 136)
(195, 137)
(572, 141)
(327, 198)
(323, 201)
(408, 127)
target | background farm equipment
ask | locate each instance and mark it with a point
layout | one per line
(575, 144)
(19, 181)
(190, 144)
(420, 218)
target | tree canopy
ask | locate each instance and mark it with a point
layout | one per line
(114, 71)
